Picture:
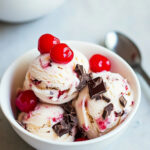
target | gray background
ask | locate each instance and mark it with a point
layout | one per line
(86, 20)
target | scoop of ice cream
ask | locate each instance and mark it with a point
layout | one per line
(52, 82)
(41, 120)
(105, 111)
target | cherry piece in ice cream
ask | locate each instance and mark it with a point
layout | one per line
(81, 139)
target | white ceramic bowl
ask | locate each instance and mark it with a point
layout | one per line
(14, 76)
(26, 10)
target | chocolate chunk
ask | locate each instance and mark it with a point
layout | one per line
(69, 120)
(84, 78)
(102, 97)
(122, 101)
(61, 128)
(107, 110)
(80, 133)
(83, 81)
(68, 108)
(79, 70)
(82, 84)
(105, 98)
(98, 97)
(96, 87)
(119, 114)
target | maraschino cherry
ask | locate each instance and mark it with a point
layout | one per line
(46, 42)
(61, 53)
(26, 101)
(99, 63)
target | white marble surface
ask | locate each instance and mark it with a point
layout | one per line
(86, 20)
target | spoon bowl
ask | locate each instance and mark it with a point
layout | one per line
(123, 46)
(127, 49)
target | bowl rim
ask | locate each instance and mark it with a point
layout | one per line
(14, 123)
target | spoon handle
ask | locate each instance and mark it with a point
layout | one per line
(144, 74)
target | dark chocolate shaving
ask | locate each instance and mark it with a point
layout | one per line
(98, 97)
(107, 110)
(102, 97)
(69, 121)
(80, 133)
(119, 114)
(122, 101)
(79, 70)
(84, 78)
(83, 81)
(61, 128)
(82, 84)
(105, 98)
(96, 87)
(69, 109)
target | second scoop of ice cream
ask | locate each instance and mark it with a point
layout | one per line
(100, 114)
(54, 83)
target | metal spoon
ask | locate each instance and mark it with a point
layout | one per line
(124, 47)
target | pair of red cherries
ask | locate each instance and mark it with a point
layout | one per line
(59, 52)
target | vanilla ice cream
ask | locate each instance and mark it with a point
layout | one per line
(41, 120)
(52, 82)
(106, 110)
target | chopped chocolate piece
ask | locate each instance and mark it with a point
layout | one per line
(84, 78)
(98, 97)
(119, 114)
(96, 87)
(122, 101)
(79, 70)
(80, 133)
(69, 109)
(106, 98)
(61, 128)
(82, 83)
(87, 77)
(107, 110)
(69, 120)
